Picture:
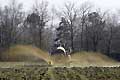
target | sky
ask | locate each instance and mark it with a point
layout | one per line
(103, 4)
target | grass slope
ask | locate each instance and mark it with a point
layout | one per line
(33, 54)
(25, 53)
(91, 59)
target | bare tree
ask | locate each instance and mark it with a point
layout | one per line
(96, 28)
(70, 14)
(38, 20)
(11, 18)
(84, 11)
(111, 24)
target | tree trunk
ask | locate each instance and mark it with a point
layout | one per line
(40, 37)
(86, 43)
(72, 43)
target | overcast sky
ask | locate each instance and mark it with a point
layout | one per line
(103, 4)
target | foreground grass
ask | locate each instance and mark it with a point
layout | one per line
(59, 73)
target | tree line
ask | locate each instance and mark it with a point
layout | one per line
(77, 27)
